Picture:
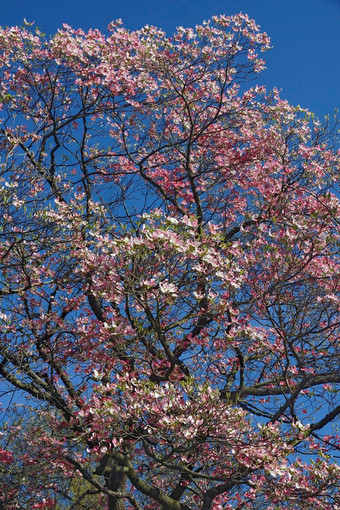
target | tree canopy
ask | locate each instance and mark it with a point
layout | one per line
(169, 289)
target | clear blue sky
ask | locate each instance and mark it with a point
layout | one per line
(304, 61)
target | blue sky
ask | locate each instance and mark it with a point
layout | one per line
(304, 61)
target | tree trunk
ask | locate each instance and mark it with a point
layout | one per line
(115, 480)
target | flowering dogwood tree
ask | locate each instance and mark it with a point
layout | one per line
(170, 272)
